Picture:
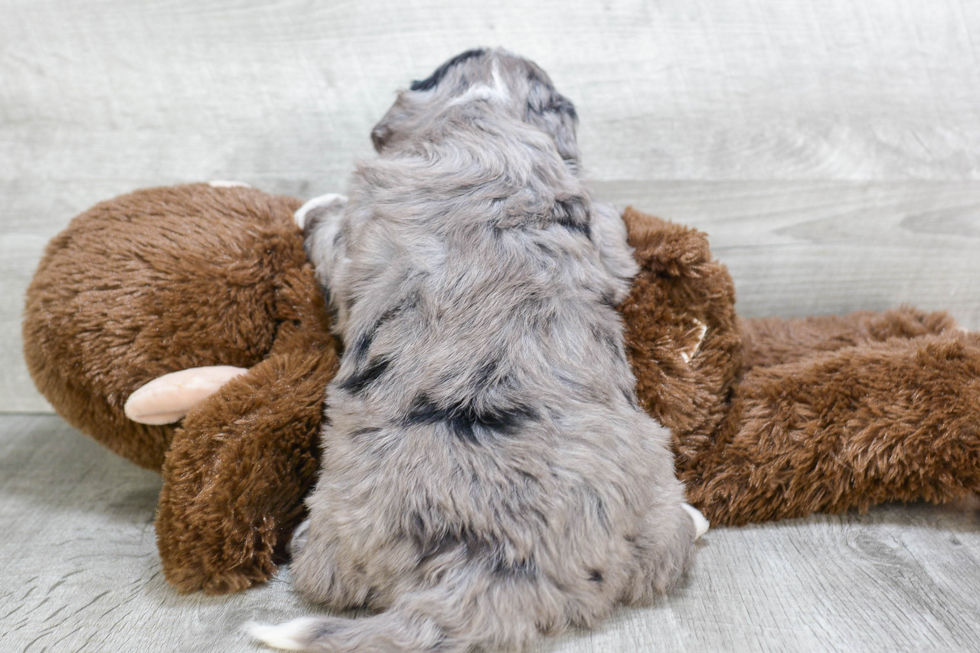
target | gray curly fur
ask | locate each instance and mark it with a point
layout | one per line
(487, 475)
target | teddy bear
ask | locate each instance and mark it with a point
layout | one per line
(182, 328)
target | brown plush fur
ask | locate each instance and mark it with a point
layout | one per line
(165, 279)
(777, 418)
(770, 418)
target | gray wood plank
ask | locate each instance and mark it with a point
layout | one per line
(798, 248)
(756, 89)
(80, 573)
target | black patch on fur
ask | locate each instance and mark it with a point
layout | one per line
(429, 549)
(320, 631)
(366, 376)
(630, 396)
(596, 576)
(524, 568)
(363, 343)
(465, 421)
(432, 80)
(431, 545)
(364, 431)
(486, 376)
(608, 340)
(572, 214)
(608, 299)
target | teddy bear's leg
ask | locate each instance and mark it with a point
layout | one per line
(237, 472)
(897, 420)
(773, 341)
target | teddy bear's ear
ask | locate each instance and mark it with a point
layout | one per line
(166, 399)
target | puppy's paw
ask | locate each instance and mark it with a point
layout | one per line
(701, 523)
(318, 209)
(290, 636)
(299, 539)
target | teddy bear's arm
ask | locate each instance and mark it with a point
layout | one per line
(237, 471)
(680, 327)
(774, 341)
(883, 421)
(168, 398)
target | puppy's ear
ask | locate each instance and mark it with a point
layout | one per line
(433, 80)
(552, 112)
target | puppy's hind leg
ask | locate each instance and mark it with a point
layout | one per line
(321, 571)
(663, 551)
(485, 606)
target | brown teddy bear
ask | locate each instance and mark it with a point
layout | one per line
(771, 418)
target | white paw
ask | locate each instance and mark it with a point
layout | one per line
(283, 636)
(218, 183)
(328, 201)
(700, 523)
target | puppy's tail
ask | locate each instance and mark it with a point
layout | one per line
(443, 619)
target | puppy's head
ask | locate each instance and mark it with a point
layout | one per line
(515, 86)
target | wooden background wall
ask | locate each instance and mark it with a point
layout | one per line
(831, 148)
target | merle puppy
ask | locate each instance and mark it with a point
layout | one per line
(487, 475)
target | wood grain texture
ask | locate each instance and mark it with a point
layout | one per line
(831, 149)
(81, 573)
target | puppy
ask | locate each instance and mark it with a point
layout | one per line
(488, 476)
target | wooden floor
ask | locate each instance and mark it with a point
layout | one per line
(80, 572)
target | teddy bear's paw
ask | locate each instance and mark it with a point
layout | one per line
(319, 208)
(221, 183)
(692, 344)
